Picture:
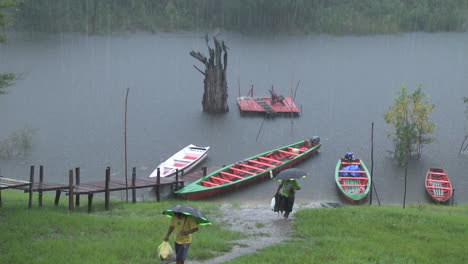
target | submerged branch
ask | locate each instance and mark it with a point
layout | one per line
(199, 56)
(463, 146)
(199, 70)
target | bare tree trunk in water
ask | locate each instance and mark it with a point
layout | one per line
(215, 86)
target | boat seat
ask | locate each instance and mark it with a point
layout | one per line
(287, 152)
(441, 181)
(351, 171)
(182, 160)
(187, 157)
(211, 184)
(243, 171)
(353, 185)
(350, 163)
(231, 175)
(220, 179)
(251, 167)
(262, 163)
(437, 173)
(439, 187)
(352, 178)
(269, 159)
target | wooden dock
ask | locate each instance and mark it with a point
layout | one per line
(7, 183)
(74, 189)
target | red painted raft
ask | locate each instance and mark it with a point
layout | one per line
(265, 105)
(438, 185)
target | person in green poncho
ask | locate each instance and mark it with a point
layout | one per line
(288, 190)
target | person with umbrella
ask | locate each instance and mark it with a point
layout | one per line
(288, 186)
(184, 221)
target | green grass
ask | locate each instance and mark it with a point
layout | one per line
(128, 233)
(420, 234)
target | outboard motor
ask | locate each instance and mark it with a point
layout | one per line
(349, 157)
(314, 140)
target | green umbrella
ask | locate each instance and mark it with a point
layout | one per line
(187, 210)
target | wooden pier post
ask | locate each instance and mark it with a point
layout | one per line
(106, 190)
(77, 177)
(177, 178)
(57, 196)
(133, 185)
(70, 190)
(90, 202)
(158, 181)
(41, 181)
(453, 195)
(31, 180)
(204, 170)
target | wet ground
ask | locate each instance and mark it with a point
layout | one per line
(262, 226)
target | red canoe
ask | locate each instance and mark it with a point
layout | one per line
(438, 185)
(250, 170)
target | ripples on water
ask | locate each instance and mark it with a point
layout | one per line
(74, 89)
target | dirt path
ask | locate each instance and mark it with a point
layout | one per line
(262, 226)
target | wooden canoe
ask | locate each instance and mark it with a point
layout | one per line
(184, 160)
(438, 185)
(354, 184)
(250, 170)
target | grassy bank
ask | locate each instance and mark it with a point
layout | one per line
(287, 16)
(420, 234)
(130, 233)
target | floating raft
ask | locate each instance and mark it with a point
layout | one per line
(265, 105)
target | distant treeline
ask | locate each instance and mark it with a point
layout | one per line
(287, 16)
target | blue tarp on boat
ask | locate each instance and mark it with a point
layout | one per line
(352, 174)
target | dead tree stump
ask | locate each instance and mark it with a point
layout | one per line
(215, 86)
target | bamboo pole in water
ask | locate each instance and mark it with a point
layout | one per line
(31, 180)
(106, 189)
(77, 177)
(70, 190)
(372, 168)
(158, 181)
(133, 185)
(41, 181)
(125, 146)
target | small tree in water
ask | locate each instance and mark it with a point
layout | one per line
(6, 79)
(411, 128)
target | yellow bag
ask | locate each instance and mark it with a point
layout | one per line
(165, 251)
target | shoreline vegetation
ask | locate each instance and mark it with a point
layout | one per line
(245, 16)
(130, 233)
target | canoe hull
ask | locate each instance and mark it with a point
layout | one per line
(182, 161)
(195, 191)
(353, 185)
(438, 185)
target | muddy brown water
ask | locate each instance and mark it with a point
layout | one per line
(262, 226)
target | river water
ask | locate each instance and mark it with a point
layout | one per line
(73, 91)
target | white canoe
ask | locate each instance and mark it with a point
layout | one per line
(185, 160)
